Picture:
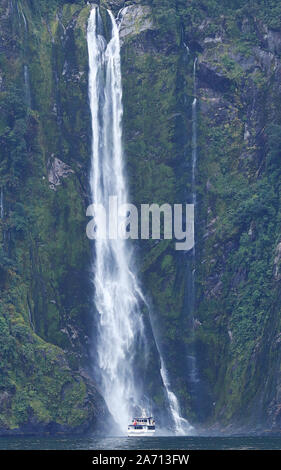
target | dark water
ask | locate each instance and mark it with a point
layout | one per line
(140, 443)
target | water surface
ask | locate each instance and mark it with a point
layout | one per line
(140, 443)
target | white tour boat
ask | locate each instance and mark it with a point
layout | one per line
(144, 426)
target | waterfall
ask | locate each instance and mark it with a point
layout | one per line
(194, 136)
(194, 379)
(2, 203)
(186, 48)
(182, 426)
(27, 86)
(23, 18)
(117, 294)
(121, 339)
(194, 167)
(30, 317)
(27, 92)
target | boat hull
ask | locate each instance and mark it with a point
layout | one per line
(141, 433)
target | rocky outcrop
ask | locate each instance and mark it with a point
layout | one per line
(96, 420)
(134, 20)
(213, 77)
(43, 384)
(56, 171)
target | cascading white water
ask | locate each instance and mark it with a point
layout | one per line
(182, 426)
(27, 85)
(21, 13)
(1, 203)
(194, 136)
(186, 48)
(117, 295)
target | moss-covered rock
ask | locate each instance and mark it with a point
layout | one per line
(45, 284)
(237, 234)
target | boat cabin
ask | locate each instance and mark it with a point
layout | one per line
(139, 423)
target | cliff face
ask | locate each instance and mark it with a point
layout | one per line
(241, 209)
(45, 281)
(46, 295)
(238, 297)
(235, 330)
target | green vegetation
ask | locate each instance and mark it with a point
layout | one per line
(44, 257)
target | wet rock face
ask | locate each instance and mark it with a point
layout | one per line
(238, 88)
(135, 19)
(211, 76)
(5, 401)
(274, 42)
(277, 263)
(114, 4)
(118, 4)
(57, 170)
(52, 145)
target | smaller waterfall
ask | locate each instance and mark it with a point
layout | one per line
(186, 48)
(21, 16)
(26, 78)
(193, 374)
(24, 20)
(182, 426)
(194, 136)
(194, 165)
(2, 203)
(30, 318)
(194, 169)
(27, 86)
(57, 105)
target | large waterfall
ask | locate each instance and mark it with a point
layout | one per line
(117, 295)
(121, 340)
